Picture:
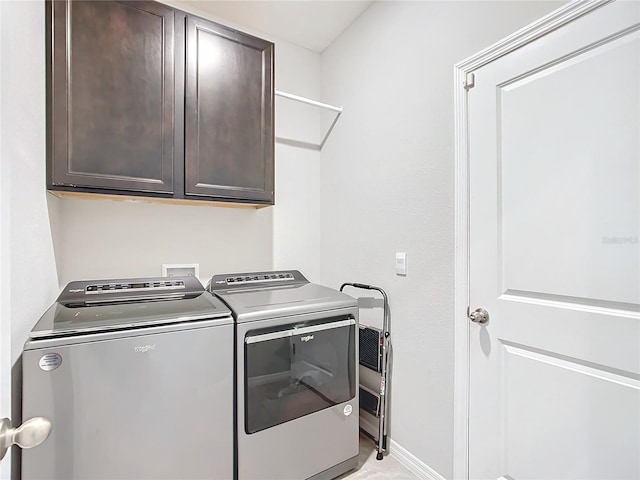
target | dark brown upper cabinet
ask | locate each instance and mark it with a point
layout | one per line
(228, 113)
(143, 99)
(112, 96)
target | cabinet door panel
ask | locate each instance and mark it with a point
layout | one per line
(112, 96)
(229, 114)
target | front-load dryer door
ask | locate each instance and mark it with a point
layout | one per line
(298, 405)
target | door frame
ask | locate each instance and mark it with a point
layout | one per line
(462, 74)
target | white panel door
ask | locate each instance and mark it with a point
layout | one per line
(554, 139)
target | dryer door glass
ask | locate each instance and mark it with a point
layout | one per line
(295, 371)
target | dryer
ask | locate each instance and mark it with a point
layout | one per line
(296, 375)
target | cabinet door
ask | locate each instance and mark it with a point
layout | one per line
(111, 96)
(228, 114)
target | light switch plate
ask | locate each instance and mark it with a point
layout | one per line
(180, 269)
(401, 263)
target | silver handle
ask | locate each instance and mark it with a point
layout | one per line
(299, 331)
(480, 316)
(28, 435)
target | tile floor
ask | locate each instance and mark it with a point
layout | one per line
(371, 469)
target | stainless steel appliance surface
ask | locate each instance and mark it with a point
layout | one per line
(296, 375)
(136, 376)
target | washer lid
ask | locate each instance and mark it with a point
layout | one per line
(271, 302)
(136, 303)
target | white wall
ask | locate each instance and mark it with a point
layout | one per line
(27, 267)
(32, 278)
(296, 227)
(115, 239)
(388, 185)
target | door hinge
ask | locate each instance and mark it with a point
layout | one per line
(469, 81)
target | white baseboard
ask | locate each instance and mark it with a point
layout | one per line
(413, 463)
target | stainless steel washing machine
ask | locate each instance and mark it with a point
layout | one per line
(296, 376)
(136, 378)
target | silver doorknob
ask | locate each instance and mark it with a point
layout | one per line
(28, 435)
(479, 315)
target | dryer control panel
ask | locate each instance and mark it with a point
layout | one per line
(256, 279)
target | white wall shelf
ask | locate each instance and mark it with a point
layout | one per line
(314, 103)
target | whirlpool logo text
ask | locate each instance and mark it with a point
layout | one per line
(307, 338)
